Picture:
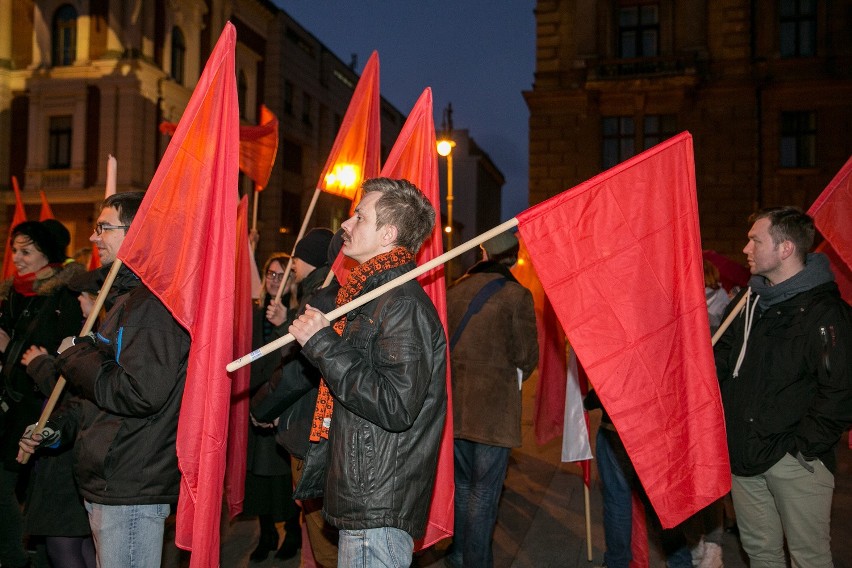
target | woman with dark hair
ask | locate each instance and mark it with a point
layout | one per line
(269, 492)
(36, 308)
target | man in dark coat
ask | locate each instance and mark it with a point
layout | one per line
(494, 346)
(383, 404)
(786, 383)
(130, 378)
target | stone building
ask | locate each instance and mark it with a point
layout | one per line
(765, 89)
(83, 79)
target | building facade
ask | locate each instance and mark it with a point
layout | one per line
(84, 79)
(765, 89)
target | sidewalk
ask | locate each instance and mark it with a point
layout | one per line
(541, 521)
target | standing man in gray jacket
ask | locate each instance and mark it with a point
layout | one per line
(494, 347)
(383, 402)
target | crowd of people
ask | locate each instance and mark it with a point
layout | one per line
(347, 421)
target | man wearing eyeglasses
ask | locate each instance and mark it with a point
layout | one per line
(129, 379)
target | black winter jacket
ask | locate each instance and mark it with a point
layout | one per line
(794, 388)
(130, 384)
(388, 377)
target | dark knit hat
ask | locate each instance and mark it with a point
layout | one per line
(90, 282)
(313, 248)
(50, 237)
(500, 244)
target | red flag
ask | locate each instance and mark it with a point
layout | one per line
(46, 212)
(258, 146)
(415, 158)
(19, 216)
(235, 469)
(552, 372)
(832, 211)
(356, 153)
(620, 258)
(182, 246)
(638, 534)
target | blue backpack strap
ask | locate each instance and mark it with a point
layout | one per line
(475, 305)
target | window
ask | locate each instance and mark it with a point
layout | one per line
(59, 142)
(178, 55)
(306, 108)
(798, 139)
(64, 35)
(288, 98)
(618, 140)
(658, 127)
(242, 92)
(291, 156)
(798, 28)
(638, 30)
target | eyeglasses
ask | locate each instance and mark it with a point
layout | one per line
(101, 227)
(274, 276)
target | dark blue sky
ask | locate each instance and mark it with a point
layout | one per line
(477, 54)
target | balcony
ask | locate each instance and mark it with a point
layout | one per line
(609, 74)
(56, 179)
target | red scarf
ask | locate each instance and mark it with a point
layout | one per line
(24, 284)
(357, 277)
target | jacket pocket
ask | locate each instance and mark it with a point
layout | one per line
(362, 459)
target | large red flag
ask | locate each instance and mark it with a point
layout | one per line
(182, 246)
(415, 158)
(356, 153)
(46, 212)
(620, 259)
(235, 469)
(18, 217)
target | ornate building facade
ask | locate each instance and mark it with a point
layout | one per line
(765, 89)
(84, 79)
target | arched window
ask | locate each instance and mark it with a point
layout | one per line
(178, 54)
(242, 92)
(64, 35)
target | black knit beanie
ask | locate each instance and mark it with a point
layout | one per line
(313, 248)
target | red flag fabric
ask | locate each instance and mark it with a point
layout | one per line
(832, 211)
(356, 153)
(258, 146)
(552, 373)
(415, 158)
(619, 256)
(182, 246)
(46, 211)
(638, 534)
(18, 217)
(235, 468)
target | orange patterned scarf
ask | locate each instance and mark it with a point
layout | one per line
(357, 277)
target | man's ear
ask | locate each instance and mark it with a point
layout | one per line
(389, 234)
(787, 249)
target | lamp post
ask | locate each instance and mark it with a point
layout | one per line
(445, 148)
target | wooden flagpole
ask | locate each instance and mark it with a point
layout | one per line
(588, 521)
(730, 319)
(301, 234)
(87, 328)
(370, 296)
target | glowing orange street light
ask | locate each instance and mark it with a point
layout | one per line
(445, 148)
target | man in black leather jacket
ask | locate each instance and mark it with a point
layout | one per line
(786, 384)
(385, 368)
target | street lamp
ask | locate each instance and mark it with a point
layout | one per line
(445, 148)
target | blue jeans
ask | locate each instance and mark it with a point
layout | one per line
(368, 548)
(619, 478)
(480, 470)
(128, 536)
